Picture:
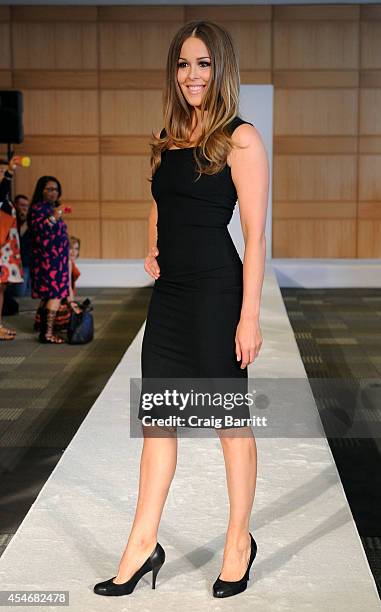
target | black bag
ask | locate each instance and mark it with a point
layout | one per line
(81, 326)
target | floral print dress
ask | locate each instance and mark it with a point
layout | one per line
(11, 270)
(49, 258)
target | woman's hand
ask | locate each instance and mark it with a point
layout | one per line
(12, 164)
(51, 221)
(57, 212)
(150, 264)
(248, 341)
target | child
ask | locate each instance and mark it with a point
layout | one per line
(75, 245)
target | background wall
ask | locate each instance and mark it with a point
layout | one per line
(92, 80)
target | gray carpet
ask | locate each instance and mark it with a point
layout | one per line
(338, 332)
(47, 390)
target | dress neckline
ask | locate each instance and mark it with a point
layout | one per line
(181, 148)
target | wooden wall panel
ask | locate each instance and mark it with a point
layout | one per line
(149, 13)
(61, 112)
(315, 112)
(124, 239)
(370, 178)
(327, 84)
(6, 79)
(369, 184)
(130, 112)
(315, 13)
(92, 80)
(369, 238)
(314, 209)
(316, 45)
(371, 44)
(62, 46)
(370, 112)
(5, 13)
(226, 14)
(54, 14)
(315, 238)
(315, 177)
(78, 175)
(253, 44)
(114, 211)
(89, 232)
(124, 178)
(126, 46)
(5, 46)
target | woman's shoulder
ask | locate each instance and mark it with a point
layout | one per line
(245, 133)
(238, 122)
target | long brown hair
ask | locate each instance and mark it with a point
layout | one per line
(221, 100)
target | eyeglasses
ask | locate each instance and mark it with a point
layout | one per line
(49, 189)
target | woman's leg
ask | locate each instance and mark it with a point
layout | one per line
(157, 468)
(5, 333)
(47, 322)
(240, 455)
(2, 289)
(53, 304)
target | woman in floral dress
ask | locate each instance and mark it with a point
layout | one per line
(10, 258)
(49, 266)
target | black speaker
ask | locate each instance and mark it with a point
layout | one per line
(11, 123)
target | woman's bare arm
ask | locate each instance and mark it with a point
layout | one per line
(150, 263)
(250, 173)
(152, 229)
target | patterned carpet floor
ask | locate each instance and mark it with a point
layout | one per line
(338, 332)
(47, 390)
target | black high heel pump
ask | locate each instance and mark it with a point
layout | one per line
(226, 588)
(154, 563)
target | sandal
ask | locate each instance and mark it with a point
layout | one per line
(6, 333)
(46, 329)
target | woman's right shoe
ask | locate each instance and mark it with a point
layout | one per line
(46, 335)
(227, 588)
(154, 563)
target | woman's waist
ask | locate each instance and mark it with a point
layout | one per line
(202, 277)
(205, 242)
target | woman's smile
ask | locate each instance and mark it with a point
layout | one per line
(195, 90)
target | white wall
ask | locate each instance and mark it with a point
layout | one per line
(256, 106)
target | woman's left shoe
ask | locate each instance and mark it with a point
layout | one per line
(226, 588)
(6, 333)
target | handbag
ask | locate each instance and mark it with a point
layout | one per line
(81, 326)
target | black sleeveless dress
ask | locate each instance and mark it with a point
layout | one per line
(196, 301)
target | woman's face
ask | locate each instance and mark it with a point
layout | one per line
(193, 70)
(74, 251)
(50, 192)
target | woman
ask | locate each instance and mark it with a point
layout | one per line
(11, 270)
(49, 266)
(203, 318)
(67, 305)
